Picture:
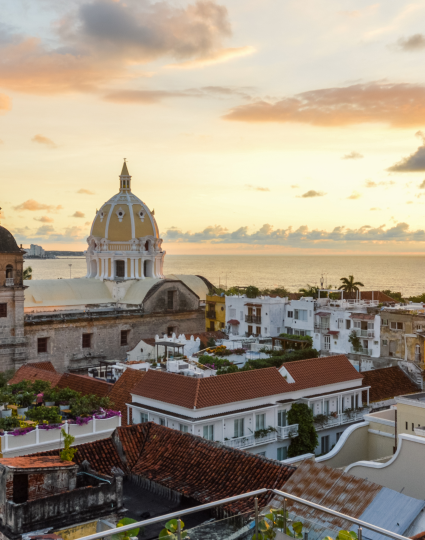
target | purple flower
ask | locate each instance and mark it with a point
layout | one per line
(47, 427)
(22, 431)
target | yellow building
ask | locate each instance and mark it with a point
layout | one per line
(215, 313)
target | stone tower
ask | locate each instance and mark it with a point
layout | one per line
(12, 340)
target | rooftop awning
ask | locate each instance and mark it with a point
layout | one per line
(254, 305)
(362, 316)
(323, 314)
(333, 332)
(233, 322)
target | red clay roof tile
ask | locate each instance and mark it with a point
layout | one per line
(48, 366)
(85, 384)
(35, 462)
(30, 373)
(386, 383)
(120, 392)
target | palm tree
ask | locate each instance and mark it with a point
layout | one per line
(309, 290)
(27, 274)
(349, 285)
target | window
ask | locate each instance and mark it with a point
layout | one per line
(347, 324)
(338, 435)
(239, 427)
(326, 407)
(260, 421)
(289, 331)
(278, 330)
(340, 323)
(384, 322)
(144, 417)
(413, 426)
(258, 330)
(124, 337)
(281, 418)
(261, 454)
(86, 341)
(20, 488)
(407, 425)
(170, 299)
(162, 421)
(282, 453)
(42, 345)
(250, 332)
(183, 428)
(120, 268)
(3, 310)
(232, 313)
(396, 325)
(209, 432)
(324, 444)
(290, 314)
(300, 314)
(171, 330)
(9, 271)
(385, 342)
(419, 328)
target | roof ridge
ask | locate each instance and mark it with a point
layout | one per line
(198, 381)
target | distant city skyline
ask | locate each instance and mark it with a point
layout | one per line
(249, 127)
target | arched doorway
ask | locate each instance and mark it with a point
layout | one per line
(148, 269)
(9, 271)
(119, 269)
(93, 268)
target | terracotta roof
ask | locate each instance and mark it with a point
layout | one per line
(233, 322)
(32, 374)
(35, 462)
(379, 296)
(85, 384)
(362, 316)
(48, 366)
(102, 455)
(315, 372)
(210, 391)
(419, 536)
(386, 383)
(323, 314)
(197, 468)
(120, 392)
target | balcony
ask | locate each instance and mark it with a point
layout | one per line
(364, 333)
(250, 440)
(253, 334)
(253, 319)
(9, 282)
(287, 432)
(321, 329)
(340, 419)
(210, 314)
(364, 352)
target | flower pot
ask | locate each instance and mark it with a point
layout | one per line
(22, 410)
(64, 407)
(49, 404)
(7, 412)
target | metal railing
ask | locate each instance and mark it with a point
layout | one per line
(339, 419)
(210, 314)
(365, 352)
(287, 432)
(364, 333)
(251, 440)
(321, 328)
(255, 319)
(256, 514)
(9, 282)
(254, 334)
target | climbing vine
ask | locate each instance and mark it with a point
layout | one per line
(307, 440)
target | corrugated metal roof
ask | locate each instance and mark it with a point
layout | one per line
(392, 511)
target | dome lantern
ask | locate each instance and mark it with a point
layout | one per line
(125, 178)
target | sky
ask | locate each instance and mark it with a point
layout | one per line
(249, 126)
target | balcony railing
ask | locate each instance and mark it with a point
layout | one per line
(9, 282)
(344, 418)
(364, 333)
(249, 334)
(364, 352)
(287, 432)
(210, 314)
(251, 440)
(322, 329)
(253, 319)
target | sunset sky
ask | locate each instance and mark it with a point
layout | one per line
(250, 126)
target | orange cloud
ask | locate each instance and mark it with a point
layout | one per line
(399, 105)
(5, 103)
(83, 191)
(41, 139)
(34, 206)
(78, 214)
(44, 219)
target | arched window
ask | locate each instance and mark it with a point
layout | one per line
(9, 271)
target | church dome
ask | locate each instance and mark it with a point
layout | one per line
(124, 217)
(7, 242)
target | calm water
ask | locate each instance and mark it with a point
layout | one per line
(405, 274)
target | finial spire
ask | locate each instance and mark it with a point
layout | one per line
(125, 178)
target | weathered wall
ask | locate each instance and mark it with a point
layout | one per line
(402, 343)
(352, 446)
(65, 349)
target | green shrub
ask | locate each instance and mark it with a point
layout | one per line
(9, 422)
(40, 386)
(48, 414)
(66, 394)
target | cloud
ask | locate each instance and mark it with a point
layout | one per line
(372, 184)
(5, 103)
(34, 206)
(422, 185)
(45, 230)
(294, 186)
(412, 44)
(354, 195)
(396, 104)
(311, 193)
(257, 188)
(353, 155)
(83, 191)
(374, 209)
(102, 41)
(409, 202)
(41, 139)
(413, 163)
(78, 214)
(301, 237)
(44, 219)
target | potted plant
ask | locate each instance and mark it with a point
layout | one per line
(65, 395)
(9, 423)
(50, 396)
(41, 414)
(5, 398)
(24, 401)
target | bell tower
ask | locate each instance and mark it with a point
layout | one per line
(12, 343)
(125, 179)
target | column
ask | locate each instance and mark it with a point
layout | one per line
(142, 268)
(136, 264)
(112, 267)
(126, 268)
(98, 263)
(132, 268)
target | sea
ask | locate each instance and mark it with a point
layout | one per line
(403, 274)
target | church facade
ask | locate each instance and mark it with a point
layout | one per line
(125, 296)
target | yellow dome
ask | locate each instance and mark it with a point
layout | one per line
(124, 217)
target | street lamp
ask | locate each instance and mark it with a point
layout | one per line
(70, 265)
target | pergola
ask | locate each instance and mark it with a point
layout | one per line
(289, 343)
(168, 344)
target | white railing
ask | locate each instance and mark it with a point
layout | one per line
(9, 282)
(343, 418)
(420, 431)
(364, 333)
(54, 437)
(287, 432)
(365, 352)
(321, 329)
(251, 440)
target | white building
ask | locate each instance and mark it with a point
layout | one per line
(299, 317)
(261, 316)
(249, 409)
(35, 251)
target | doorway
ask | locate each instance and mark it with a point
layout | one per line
(119, 269)
(20, 488)
(147, 269)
